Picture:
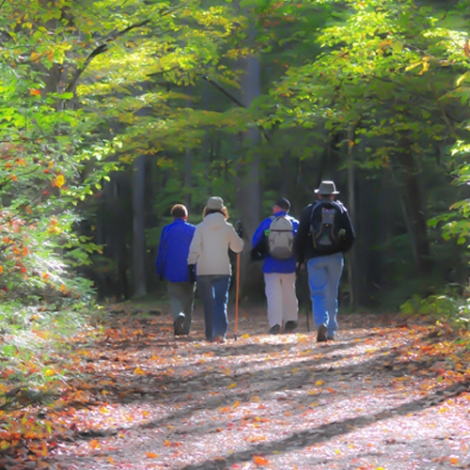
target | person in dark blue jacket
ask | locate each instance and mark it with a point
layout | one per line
(172, 265)
(279, 266)
(324, 259)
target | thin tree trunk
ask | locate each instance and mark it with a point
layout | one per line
(249, 177)
(188, 163)
(352, 277)
(415, 207)
(138, 227)
(286, 184)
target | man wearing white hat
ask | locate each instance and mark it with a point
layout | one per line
(325, 232)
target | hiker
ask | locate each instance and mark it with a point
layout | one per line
(275, 237)
(209, 263)
(172, 265)
(325, 232)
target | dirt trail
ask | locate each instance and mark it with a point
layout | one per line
(379, 397)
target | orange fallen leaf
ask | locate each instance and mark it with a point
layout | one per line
(258, 460)
(94, 444)
(151, 455)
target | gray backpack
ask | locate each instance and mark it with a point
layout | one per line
(280, 238)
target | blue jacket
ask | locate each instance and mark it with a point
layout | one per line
(172, 258)
(273, 265)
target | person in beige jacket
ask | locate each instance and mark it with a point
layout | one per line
(209, 263)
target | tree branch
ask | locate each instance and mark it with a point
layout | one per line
(100, 50)
(236, 101)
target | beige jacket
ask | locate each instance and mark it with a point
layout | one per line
(209, 249)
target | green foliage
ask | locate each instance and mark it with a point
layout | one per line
(449, 308)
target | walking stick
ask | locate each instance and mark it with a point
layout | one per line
(237, 294)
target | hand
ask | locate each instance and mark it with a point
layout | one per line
(192, 273)
(239, 228)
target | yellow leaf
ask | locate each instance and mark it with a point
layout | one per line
(111, 461)
(413, 66)
(246, 335)
(319, 382)
(461, 79)
(1, 269)
(151, 455)
(232, 385)
(59, 181)
(139, 371)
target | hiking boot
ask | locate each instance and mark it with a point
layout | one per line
(290, 326)
(220, 339)
(274, 330)
(321, 334)
(330, 337)
(179, 322)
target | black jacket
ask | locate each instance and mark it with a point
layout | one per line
(303, 244)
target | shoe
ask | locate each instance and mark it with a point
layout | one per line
(274, 330)
(179, 324)
(330, 337)
(290, 326)
(220, 339)
(321, 335)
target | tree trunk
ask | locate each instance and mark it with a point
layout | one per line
(248, 179)
(138, 227)
(249, 175)
(352, 277)
(415, 205)
(188, 162)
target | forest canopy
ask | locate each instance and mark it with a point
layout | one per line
(113, 111)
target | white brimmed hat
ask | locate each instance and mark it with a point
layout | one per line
(215, 203)
(326, 188)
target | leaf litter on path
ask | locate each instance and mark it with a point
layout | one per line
(381, 397)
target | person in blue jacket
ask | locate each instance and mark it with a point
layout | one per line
(172, 266)
(279, 274)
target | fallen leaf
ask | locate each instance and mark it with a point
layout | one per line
(258, 460)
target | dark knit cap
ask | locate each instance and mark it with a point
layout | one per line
(283, 203)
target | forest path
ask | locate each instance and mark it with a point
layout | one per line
(381, 396)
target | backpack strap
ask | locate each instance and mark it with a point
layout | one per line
(338, 204)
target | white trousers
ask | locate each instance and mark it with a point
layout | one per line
(282, 301)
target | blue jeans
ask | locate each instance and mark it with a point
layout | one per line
(214, 294)
(324, 274)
